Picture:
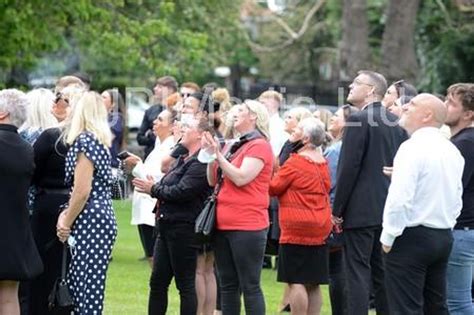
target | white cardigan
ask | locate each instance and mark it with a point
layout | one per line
(143, 204)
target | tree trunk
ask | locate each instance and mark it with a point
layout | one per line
(354, 47)
(398, 46)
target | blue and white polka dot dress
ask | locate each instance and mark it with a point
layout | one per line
(94, 230)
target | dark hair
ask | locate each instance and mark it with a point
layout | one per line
(210, 87)
(168, 81)
(465, 91)
(117, 100)
(404, 89)
(405, 99)
(348, 110)
(85, 78)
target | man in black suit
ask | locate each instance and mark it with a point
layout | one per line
(370, 141)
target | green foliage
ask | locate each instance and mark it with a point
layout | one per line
(126, 42)
(445, 46)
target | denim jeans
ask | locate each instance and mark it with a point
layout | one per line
(239, 258)
(459, 273)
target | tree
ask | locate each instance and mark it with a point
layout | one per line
(399, 58)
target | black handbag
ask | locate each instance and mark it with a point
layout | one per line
(60, 300)
(206, 220)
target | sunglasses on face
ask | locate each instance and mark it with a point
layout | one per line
(59, 97)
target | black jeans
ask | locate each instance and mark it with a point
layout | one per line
(364, 267)
(148, 238)
(416, 271)
(239, 258)
(175, 255)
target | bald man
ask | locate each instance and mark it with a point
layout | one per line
(424, 199)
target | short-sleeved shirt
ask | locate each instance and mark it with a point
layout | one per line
(245, 208)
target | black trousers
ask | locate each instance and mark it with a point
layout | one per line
(239, 257)
(337, 282)
(416, 271)
(364, 267)
(147, 238)
(175, 256)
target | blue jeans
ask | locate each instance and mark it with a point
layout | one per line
(459, 273)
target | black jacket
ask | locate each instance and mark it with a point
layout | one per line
(182, 191)
(145, 134)
(20, 258)
(371, 139)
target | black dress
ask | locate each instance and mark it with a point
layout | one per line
(20, 259)
(51, 192)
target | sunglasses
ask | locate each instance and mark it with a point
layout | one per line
(59, 97)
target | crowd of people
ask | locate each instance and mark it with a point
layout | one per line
(376, 200)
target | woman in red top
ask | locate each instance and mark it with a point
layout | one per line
(242, 203)
(302, 186)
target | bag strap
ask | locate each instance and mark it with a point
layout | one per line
(64, 263)
(230, 154)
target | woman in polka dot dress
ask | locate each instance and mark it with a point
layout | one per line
(88, 220)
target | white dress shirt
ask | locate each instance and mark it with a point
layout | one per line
(278, 136)
(143, 204)
(426, 187)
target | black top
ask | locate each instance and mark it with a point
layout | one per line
(464, 141)
(50, 152)
(287, 149)
(182, 191)
(145, 135)
(19, 257)
(371, 139)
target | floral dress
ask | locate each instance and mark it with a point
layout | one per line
(94, 230)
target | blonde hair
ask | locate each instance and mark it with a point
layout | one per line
(299, 113)
(38, 113)
(324, 116)
(272, 95)
(89, 114)
(67, 81)
(221, 96)
(262, 121)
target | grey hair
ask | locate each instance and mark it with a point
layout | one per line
(313, 128)
(15, 103)
(378, 80)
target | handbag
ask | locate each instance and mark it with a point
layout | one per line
(60, 300)
(206, 220)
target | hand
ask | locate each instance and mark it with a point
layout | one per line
(144, 185)
(386, 248)
(336, 220)
(208, 143)
(388, 170)
(63, 228)
(131, 161)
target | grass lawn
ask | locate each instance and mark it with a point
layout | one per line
(127, 278)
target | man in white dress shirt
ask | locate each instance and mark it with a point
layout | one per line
(423, 202)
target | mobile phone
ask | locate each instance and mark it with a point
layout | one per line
(123, 155)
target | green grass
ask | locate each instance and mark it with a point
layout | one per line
(127, 278)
